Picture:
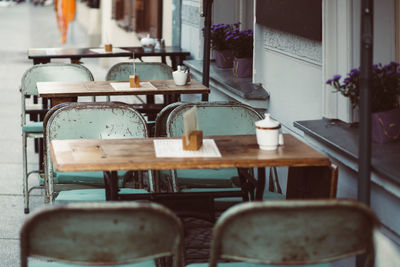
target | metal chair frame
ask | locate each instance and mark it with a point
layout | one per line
(121, 72)
(106, 233)
(243, 124)
(294, 232)
(82, 120)
(42, 73)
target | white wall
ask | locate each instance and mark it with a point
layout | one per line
(289, 68)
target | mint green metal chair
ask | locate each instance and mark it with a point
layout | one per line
(41, 73)
(98, 120)
(214, 118)
(292, 232)
(145, 70)
(101, 234)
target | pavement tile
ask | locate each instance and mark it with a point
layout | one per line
(12, 208)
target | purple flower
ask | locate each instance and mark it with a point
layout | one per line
(354, 71)
(347, 80)
(337, 77)
(329, 81)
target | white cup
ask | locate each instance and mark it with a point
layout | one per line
(180, 77)
(269, 139)
(268, 133)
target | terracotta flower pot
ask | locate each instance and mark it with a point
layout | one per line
(243, 67)
(385, 126)
(223, 58)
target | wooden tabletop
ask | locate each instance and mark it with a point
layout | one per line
(238, 151)
(98, 88)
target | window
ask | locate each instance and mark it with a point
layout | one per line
(142, 16)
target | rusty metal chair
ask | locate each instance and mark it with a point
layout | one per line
(215, 118)
(145, 70)
(293, 232)
(34, 129)
(101, 234)
(88, 121)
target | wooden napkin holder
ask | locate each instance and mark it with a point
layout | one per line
(134, 81)
(194, 141)
(108, 47)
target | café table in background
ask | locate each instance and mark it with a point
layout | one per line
(45, 55)
(60, 92)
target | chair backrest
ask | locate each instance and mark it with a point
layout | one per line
(294, 232)
(49, 73)
(85, 120)
(216, 118)
(53, 73)
(102, 233)
(98, 120)
(146, 71)
(162, 117)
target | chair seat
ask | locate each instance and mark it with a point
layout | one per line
(83, 195)
(94, 178)
(248, 264)
(33, 127)
(149, 263)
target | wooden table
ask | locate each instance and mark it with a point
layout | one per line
(310, 176)
(59, 92)
(44, 55)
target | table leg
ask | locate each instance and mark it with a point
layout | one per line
(312, 182)
(41, 61)
(260, 183)
(247, 182)
(59, 100)
(150, 100)
(173, 62)
(76, 60)
(111, 185)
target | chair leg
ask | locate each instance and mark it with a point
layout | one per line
(25, 174)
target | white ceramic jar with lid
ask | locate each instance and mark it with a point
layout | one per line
(268, 133)
(148, 43)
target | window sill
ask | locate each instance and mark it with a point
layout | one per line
(241, 89)
(343, 139)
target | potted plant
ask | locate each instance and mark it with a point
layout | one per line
(222, 53)
(241, 44)
(385, 92)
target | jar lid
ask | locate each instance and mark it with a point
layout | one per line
(267, 123)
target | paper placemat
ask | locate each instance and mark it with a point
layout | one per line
(126, 86)
(114, 50)
(172, 148)
(52, 51)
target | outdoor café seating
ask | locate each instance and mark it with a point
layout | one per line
(100, 234)
(232, 118)
(98, 120)
(31, 117)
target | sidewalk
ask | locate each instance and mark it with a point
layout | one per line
(22, 26)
